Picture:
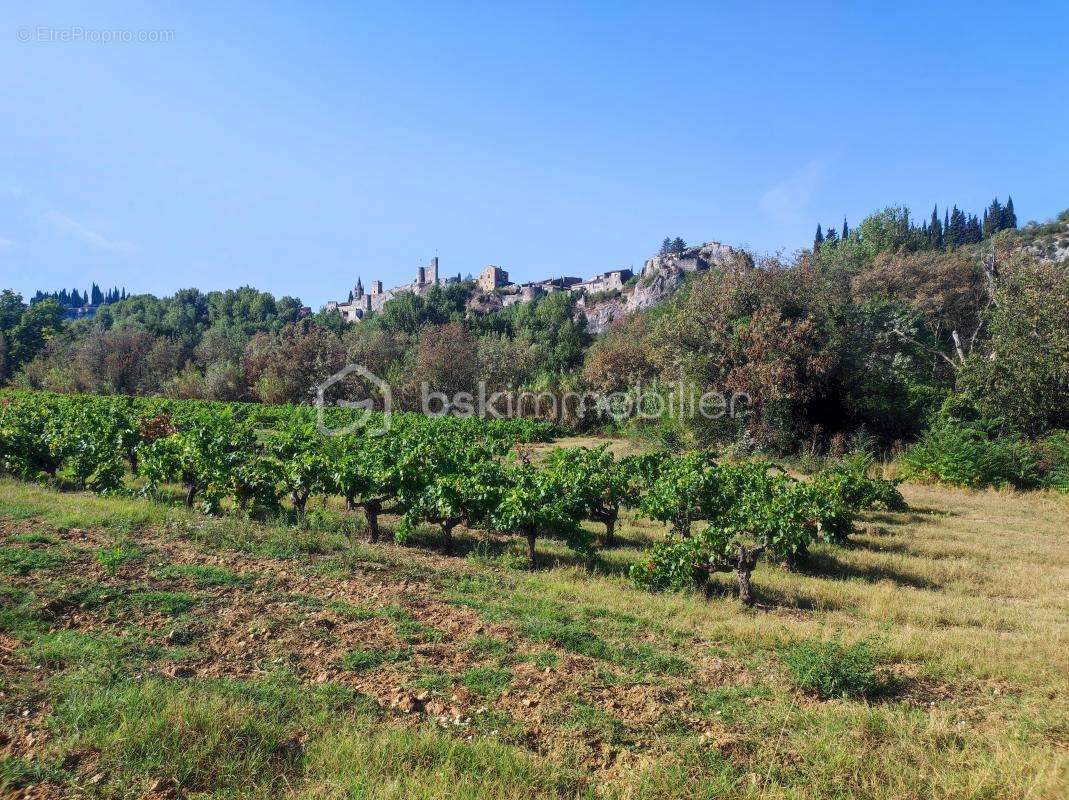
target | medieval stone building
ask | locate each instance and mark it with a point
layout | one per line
(605, 282)
(491, 278)
(601, 299)
(360, 304)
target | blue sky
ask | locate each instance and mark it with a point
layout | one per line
(294, 147)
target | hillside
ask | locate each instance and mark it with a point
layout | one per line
(877, 336)
(151, 651)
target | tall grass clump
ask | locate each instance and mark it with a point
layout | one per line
(833, 669)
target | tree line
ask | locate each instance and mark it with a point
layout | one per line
(956, 228)
(875, 339)
(80, 299)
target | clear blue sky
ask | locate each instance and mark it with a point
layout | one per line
(295, 146)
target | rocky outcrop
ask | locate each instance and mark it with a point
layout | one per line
(693, 259)
(661, 276)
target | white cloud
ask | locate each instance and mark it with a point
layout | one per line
(70, 227)
(788, 201)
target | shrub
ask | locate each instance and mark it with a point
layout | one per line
(1053, 453)
(846, 488)
(832, 669)
(966, 456)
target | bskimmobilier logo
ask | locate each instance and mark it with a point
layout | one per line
(366, 408)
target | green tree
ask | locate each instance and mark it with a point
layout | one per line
(11, 308)
(1019, 381)
(39, 323)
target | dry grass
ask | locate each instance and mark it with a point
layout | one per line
(968, 595)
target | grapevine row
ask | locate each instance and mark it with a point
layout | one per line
(442, 472)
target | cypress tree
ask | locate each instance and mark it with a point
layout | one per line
(1011, 216)
(818, 240)
(995, 214)
(846, 228)
(955, 231)
(935, 229)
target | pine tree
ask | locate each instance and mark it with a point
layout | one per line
(831, 238)
(666, 246)
(678, 246)
(818, 240)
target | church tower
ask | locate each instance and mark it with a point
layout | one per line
(359, 290)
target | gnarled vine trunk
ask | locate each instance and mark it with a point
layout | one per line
(372, 509)
(742, 562)
(609, 519)
(447, 534)
(300, 500)
(531, 534)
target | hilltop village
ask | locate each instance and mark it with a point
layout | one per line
(602, 298)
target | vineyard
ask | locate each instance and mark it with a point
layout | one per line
(216, 600)
(265, 462)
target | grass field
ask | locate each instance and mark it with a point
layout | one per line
(147, 651)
